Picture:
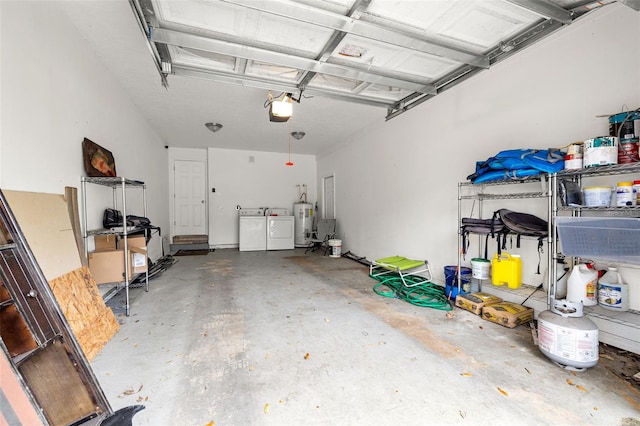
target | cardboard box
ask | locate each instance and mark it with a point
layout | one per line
(507, 314)
(107, 266)
(106, 242)
(474, 302)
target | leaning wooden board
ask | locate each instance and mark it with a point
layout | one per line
(44, 221)
(92, 322)
(71, 198)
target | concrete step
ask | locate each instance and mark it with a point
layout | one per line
(191, 239)
(196, 246)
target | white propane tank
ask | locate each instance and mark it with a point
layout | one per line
(562, 274)
(582, 285)
(612, 292)
(566, 337)
(303, 214)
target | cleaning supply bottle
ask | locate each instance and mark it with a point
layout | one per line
(582, 285)
(612, 292)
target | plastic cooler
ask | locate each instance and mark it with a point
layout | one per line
(603, 238)
(451, 281)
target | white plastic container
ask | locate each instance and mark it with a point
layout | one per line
(601, 151)
(573, 158)
(625, 195)
(597, 196)
(480, 268)
(562, 275)
(616, 239)
(612, 292)
(582, 285)
(336, 248)
(573, 161)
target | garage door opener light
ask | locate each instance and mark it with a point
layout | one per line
(280, 109)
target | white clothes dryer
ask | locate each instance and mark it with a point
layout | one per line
(280, 229)
(253, 229)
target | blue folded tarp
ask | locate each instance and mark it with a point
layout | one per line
(517, 164)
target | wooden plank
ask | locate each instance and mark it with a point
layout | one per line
(44, 221)
(71, 197)
(56, 385)
(19, 408)
(92, 322)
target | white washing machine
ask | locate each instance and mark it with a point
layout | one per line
(253, 229)
(280, 229)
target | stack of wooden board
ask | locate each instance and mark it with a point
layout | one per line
(45, 222)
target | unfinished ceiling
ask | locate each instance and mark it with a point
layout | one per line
(391, 54)
(351, 63)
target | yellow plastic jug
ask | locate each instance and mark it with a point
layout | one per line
(506, 269)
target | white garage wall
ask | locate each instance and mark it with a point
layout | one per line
(55, 92)
(396, 183)
(252, 179)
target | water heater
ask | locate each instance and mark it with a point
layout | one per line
(303, 213)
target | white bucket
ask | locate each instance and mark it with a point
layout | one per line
(336, 248)
(602, 151)
(572, 162)
(597, 196)
(573, 159)
(480, 268)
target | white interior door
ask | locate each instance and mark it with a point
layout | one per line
(190, 205)
(328, 196)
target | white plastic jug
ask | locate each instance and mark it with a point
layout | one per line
(562, 275)
(612, 292)
(582, 285)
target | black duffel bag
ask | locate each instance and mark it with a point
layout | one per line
(493, 228)
(111, 218)
(133, 220)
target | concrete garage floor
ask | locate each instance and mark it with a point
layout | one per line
(288, 338)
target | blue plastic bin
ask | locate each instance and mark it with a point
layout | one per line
(451, 280)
